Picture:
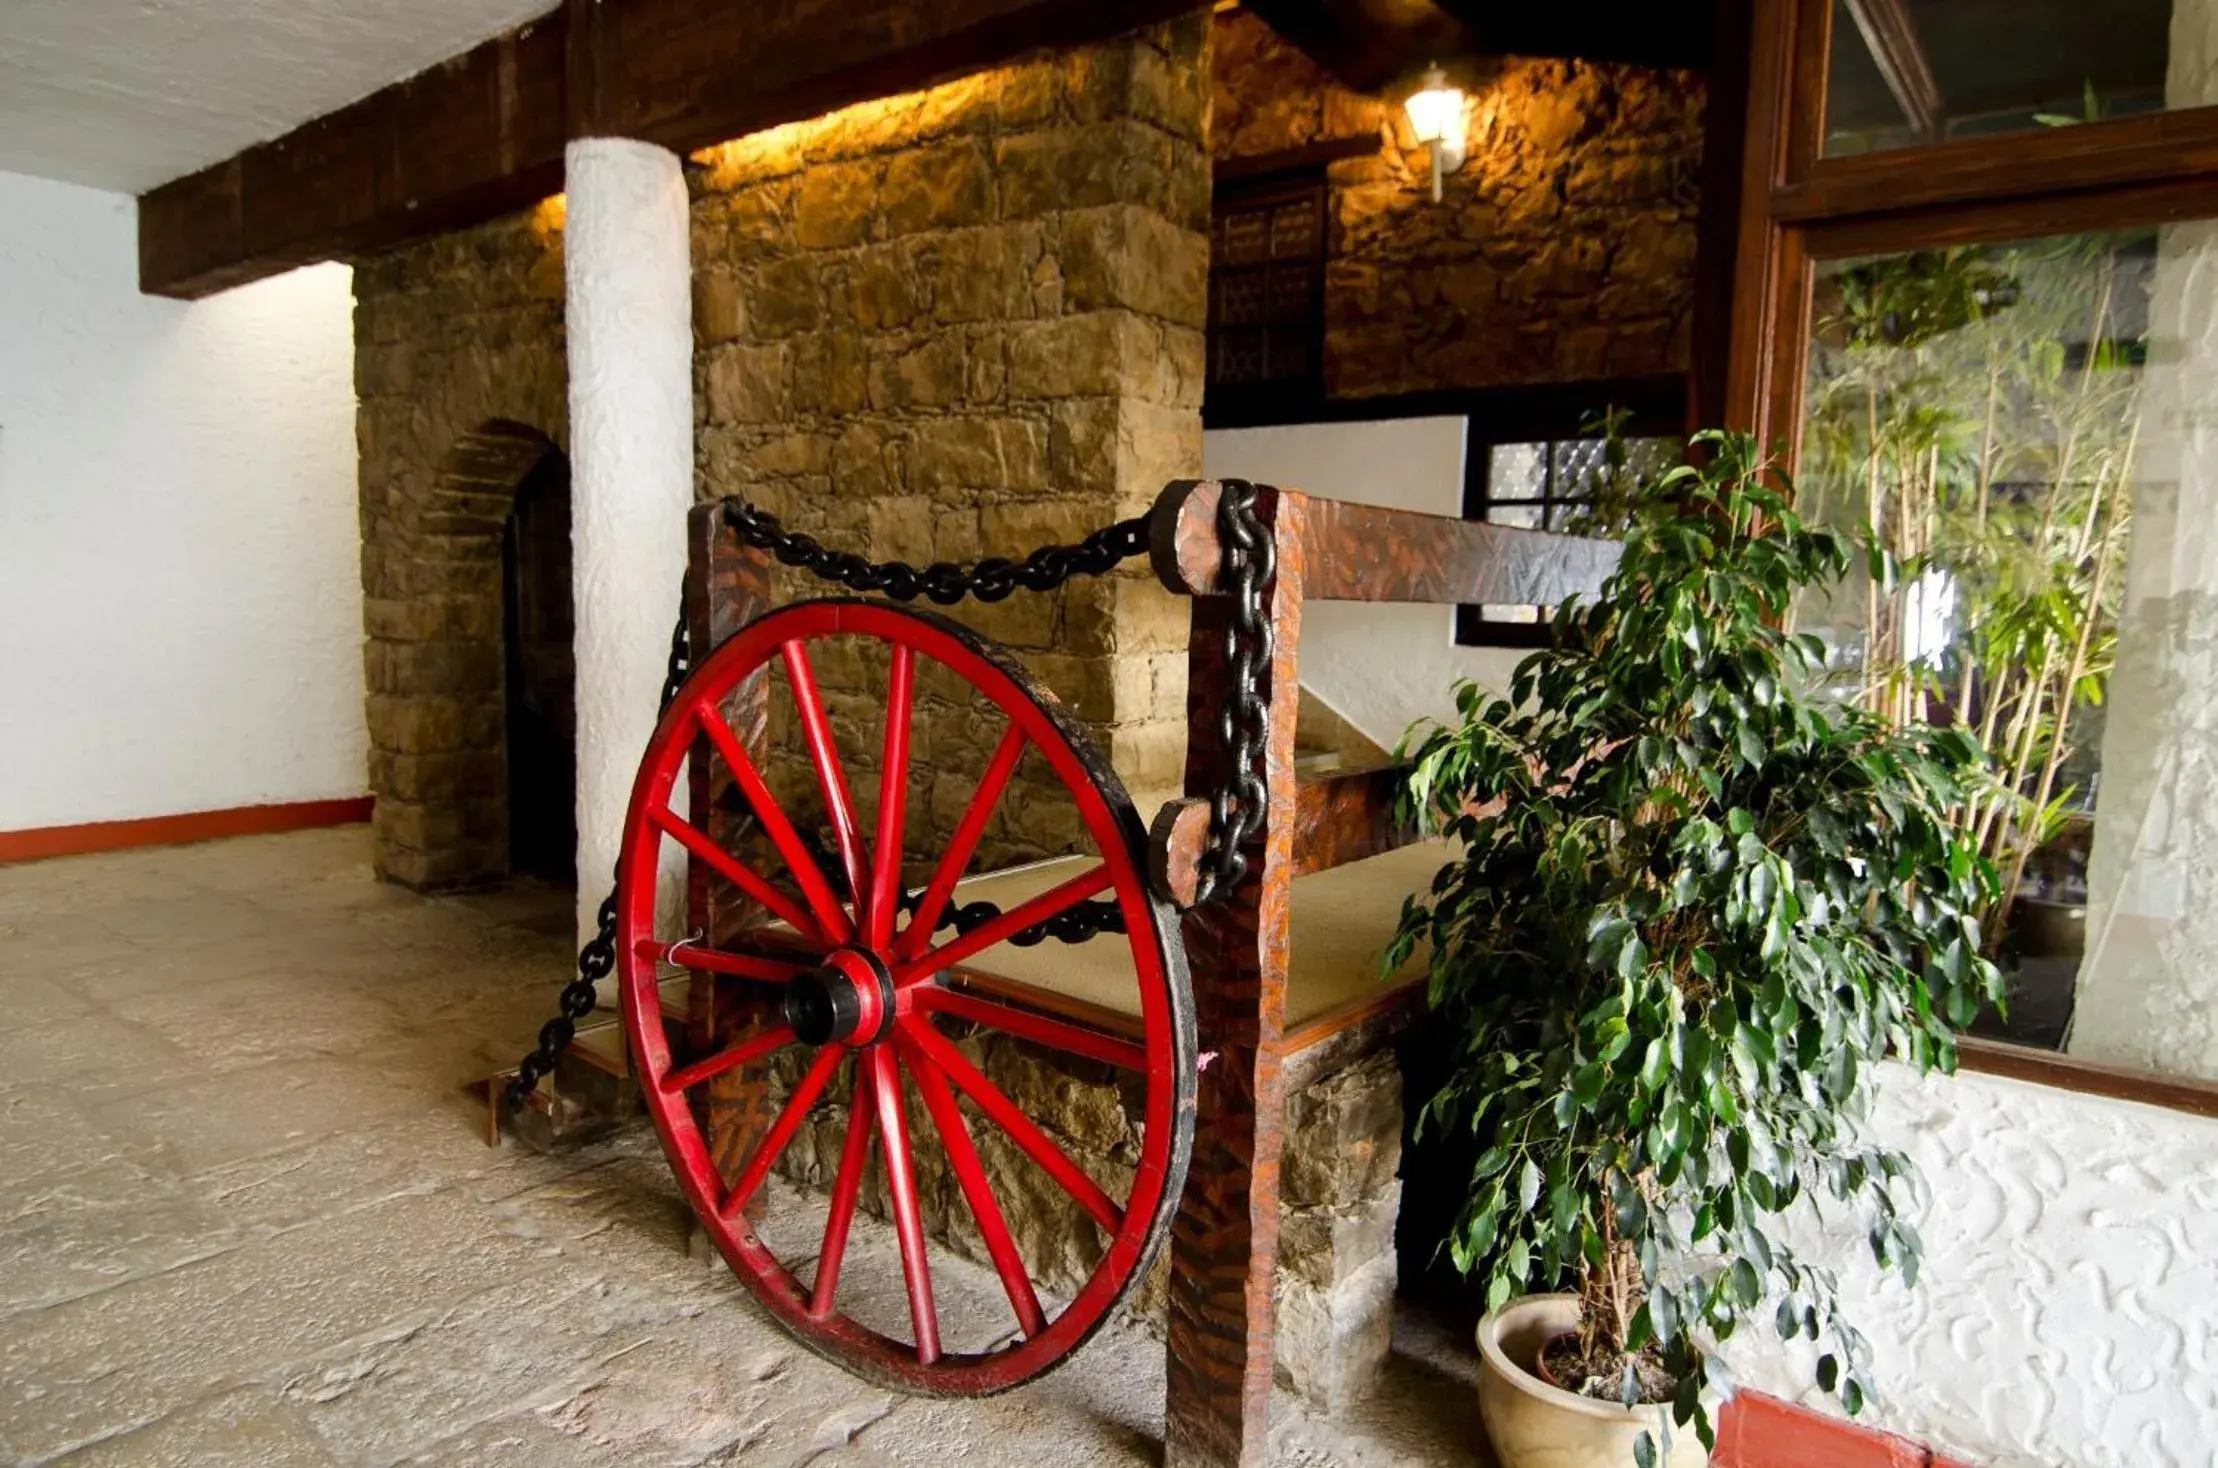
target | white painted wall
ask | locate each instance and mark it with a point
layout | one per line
(180, 581)
(1380, 666)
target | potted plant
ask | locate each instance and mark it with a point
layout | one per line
(1695, 908)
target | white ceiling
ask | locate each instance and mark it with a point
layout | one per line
(126, 94)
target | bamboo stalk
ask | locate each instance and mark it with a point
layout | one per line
(2078, 666)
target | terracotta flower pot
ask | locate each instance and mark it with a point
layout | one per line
(1534, 1425)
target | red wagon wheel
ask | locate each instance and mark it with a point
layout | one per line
(851, 980)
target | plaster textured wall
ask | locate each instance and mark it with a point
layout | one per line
(2067, 1312)
(1380, 666)
(1563, 251)
(179, 616)
(629, 315)
(965, 322)
(459, 362)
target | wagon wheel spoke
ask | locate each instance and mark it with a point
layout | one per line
(1057, 899)
(884, 899)
(862, 1116)
(733, 870)
(778, 826)
(963, 844)
(781, 1131)
(1031, 1024)
(908, 1217)
(935, 1050)
(689, 954)
(816, 731)
(970, 1171)
(731, 1057)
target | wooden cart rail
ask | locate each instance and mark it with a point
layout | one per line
(1224, 1244)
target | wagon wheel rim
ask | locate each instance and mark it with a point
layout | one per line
(854, 982)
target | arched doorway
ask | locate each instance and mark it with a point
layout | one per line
(539, 674)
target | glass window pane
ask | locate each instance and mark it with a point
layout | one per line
(1523, 516)
(2026, 428)
(1922, 71)
(1517, 471)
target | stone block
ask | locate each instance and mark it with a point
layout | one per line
(1150, 754)
(455, 775)
(882, 287)
(937, 188)
(1344, 1136)
(719, 307)
(949, 454)
(427, 725)
(1126, 255)
(1071, 356)
(1126, 614)
(926, 373)
(750, 384)
(982, 274)
(830, 372)
(1332, 1344)
(1075, 167)
(786, 297)
(837, 205)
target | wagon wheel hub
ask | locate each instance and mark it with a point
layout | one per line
(849, 1000)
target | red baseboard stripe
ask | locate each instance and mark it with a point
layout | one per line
(1756, 1431)
(205, 825)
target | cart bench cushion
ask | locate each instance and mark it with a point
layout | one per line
(1341, 922)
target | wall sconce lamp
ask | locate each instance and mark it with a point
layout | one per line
(1436, 117)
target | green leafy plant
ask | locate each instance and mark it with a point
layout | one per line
(1695, 907)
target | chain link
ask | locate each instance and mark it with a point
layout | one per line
(943, 582)
(1236, 809)
(597, 959)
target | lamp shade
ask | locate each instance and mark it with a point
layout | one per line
(1435, 109)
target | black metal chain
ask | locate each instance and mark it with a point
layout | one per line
(1079, 923)
(943, 582)
(1236, 809)
(597, 959)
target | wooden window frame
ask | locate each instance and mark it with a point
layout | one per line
(1264, 190)
(1782, 209)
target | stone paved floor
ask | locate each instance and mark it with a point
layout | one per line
(246, 1216)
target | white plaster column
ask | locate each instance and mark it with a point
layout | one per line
(627, 268)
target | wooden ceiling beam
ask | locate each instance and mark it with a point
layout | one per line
(1364, 49)
(482, 135)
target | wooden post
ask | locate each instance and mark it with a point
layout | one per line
(1224, 1244)
(727, 585)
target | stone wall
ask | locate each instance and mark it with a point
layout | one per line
(1563, 251)
(965, 322)
(460, 377)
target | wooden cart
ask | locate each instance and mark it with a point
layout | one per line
(837, 966)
